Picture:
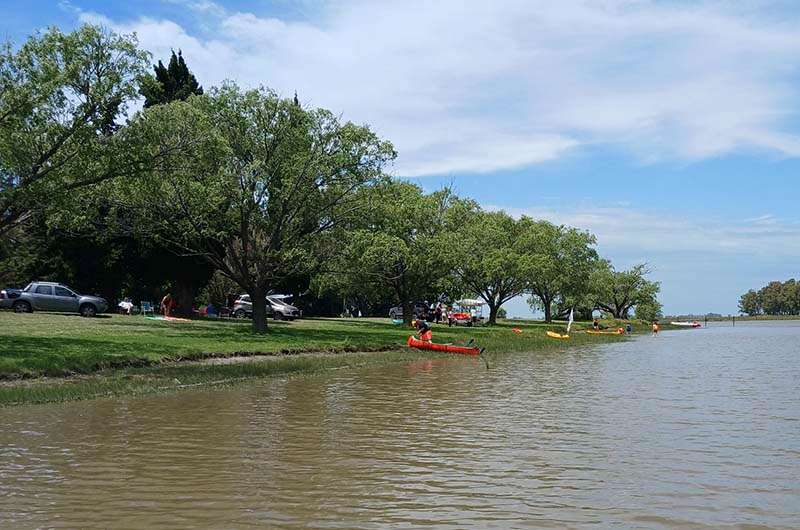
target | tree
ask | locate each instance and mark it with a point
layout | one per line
(60, 96)
(791, 290)
(398, 244)
(618, 292)
(648, 310)
(773, 299)
(560, 262)
(176, 83)
(491, 261)
(172, 83)
(250, 181)
(750, 303)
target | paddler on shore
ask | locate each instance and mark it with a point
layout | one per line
(424, 330)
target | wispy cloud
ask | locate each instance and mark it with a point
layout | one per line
(651, 233)
(703, 264)
(476, 87)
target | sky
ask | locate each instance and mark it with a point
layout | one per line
(669, 129)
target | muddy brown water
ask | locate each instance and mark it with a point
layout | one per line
(690, 429)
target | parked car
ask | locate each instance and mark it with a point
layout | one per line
(281, 309)
(277, 308)
(7, 297)
(50, 296)
(418, 309)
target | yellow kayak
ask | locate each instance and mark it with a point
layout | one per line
(554, 335)
(619, 331)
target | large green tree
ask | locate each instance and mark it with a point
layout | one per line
(185, 273)
(61, 95)
(399, 244)
(617, 292)
(254, 180)
(560, 262)
(491, 261)
(750, 303)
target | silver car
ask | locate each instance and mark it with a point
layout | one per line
(50, 296)
(243, 307)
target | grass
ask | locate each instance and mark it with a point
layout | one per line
(58, 357)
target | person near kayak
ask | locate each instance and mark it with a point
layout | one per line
(628, 328)
(424, 330)
(167, 305)
(596, 325)
(655, 327)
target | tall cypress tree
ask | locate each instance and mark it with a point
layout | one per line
(171, 83)
(186, 274)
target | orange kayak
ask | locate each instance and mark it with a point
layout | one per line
(422, 345)
(554, 335)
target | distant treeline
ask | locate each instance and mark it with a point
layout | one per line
(775, 298)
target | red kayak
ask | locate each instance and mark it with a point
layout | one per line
(422, 345)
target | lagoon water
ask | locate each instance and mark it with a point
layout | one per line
(689, 429)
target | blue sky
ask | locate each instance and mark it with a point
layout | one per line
(668, 129)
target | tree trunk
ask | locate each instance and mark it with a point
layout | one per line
(408, 314)
(259, 300)
(493, 310)
(184, 296)
(548, 310)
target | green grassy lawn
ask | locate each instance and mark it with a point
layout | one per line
(125, 353)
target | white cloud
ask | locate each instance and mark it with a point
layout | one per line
(702, 264)
(477, 87)
(650, 234)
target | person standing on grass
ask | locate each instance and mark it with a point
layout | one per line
(167, 304)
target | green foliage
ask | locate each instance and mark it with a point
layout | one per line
(396, 244)
(750, 303)
(775, 298)
(617, 292)
(561, 260)
(649, 310)
(172, 83)
(249, 181)
(489, 256)
(60, 95)
(217, 290)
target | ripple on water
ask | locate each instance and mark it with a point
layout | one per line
(693, 429)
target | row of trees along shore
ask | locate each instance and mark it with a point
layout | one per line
(231, 190)
(775, 298)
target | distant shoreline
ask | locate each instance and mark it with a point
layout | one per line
(730, 318)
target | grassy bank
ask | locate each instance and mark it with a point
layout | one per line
(55, 357)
